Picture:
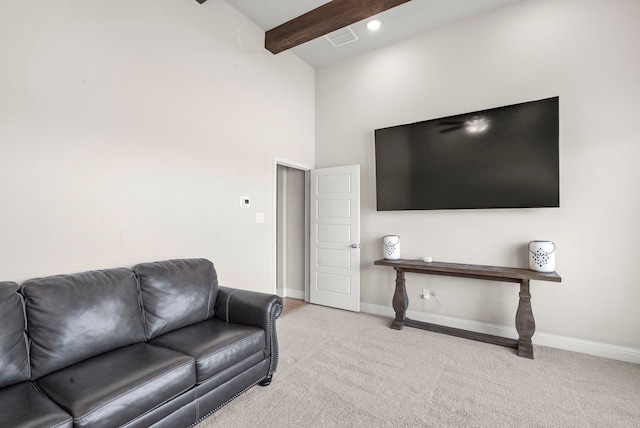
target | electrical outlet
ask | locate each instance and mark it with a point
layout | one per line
(426, 294)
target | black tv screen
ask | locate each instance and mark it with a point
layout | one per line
(505, 157)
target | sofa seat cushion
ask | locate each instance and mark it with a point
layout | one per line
(118, 386)
(24, 405)
(216, 345)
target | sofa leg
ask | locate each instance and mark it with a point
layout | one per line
(266, 381)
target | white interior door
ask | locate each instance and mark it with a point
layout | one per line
(335, 237)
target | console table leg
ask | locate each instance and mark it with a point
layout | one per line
(400, 301)
(525, 324)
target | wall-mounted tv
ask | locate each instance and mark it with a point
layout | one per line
(504, 157)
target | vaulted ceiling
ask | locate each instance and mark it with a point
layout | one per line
(300, 25)
(323, 20)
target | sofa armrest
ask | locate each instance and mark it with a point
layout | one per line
(255, 309)
(247, 307)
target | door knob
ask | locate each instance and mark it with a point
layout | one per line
(354, 245)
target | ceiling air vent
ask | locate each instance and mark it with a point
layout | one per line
(341, 37)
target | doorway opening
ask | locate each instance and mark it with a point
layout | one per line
(322, 220)
(291, 246)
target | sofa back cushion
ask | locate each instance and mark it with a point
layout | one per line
(74, 317)
(176, 293)
(14, 355)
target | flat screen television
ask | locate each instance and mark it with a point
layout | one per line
(505, 157)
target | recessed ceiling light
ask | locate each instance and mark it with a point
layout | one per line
(374, 24)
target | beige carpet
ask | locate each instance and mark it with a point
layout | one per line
(346, 369)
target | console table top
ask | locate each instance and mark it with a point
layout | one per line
(496, 273)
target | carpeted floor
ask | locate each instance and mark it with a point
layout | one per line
(344, 369)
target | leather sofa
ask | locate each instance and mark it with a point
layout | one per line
(160, 344)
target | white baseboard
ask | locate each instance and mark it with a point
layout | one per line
(605, 350)
(290, 292)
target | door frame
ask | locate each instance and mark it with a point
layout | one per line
(278, 161)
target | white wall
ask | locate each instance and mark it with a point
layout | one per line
(586, 52)
(129, 130)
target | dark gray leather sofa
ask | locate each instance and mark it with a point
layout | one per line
(161, 344)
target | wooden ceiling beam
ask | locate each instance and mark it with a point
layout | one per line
(323, 20)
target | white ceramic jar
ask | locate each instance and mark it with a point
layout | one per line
(391, 247)
(542, 256)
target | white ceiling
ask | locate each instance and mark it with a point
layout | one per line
(399, 23)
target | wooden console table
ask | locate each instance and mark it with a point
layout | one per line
(525, 324)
